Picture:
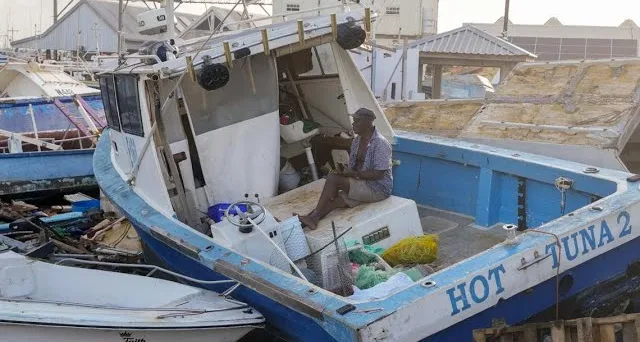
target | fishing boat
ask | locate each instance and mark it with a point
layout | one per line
(46, 302)
(193, 136)
(48, 126)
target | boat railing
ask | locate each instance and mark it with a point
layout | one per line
(284, 16)
(153, 269)
(49, 143)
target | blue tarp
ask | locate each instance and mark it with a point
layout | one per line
(15, 118)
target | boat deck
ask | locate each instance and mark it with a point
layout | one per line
(459, 237)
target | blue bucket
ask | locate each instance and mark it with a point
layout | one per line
(216, 212)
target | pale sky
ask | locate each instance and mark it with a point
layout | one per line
(22, 15)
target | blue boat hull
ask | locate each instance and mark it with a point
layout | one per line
(315, 323)
(513, 310)
(31, 173)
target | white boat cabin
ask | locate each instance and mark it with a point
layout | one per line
(231, 133)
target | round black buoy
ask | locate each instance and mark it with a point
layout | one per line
(213, 76)
(350, 36)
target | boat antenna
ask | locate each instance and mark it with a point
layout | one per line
(171, 27)
(120, 10)
(505, 25)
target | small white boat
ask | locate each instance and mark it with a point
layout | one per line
(46, 302)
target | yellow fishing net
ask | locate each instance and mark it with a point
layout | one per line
(412, 250)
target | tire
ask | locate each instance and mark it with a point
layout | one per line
(350, 36)
(212, 77)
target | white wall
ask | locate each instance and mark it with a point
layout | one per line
(385, 76)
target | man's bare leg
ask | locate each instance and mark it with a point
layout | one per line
(329, 200)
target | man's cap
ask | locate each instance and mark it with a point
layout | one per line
(364, 113)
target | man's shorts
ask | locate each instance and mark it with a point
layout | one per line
(360, 192)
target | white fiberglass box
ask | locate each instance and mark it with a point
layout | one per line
(152, 22)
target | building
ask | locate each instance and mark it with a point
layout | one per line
(397, 19)
(92, 25)
(554, 41)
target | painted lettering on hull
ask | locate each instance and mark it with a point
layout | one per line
(481, 287)
(478, 290)
(590, 239)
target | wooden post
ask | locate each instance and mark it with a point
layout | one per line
(436, 87)
(265, 42)
(530, 333)
(557, 331)
(585, 330)
(367, 19)
(190, 69)
(607, 333)
(334, 26)
(33, 123)
(227, 54)
(301, 32)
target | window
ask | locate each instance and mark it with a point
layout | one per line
(393, 10)
(108, 94)
(293, 8)
(128, 105)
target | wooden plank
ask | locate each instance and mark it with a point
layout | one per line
(92, 112)
(530, 333)
(557, 331)
(585, 330)
(616, 319)
(607, 333)
(479, 336)
(29, 140)
(71, 117)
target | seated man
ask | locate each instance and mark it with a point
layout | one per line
(368, 178)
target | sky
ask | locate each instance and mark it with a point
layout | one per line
(22, 15)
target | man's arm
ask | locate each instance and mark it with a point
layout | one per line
(381, 163)
(366, 175)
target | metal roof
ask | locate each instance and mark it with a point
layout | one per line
(470, 40)
(108, 11)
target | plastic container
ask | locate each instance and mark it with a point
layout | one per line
(295, 242)
(83, 206)
(216, 211)
(289, 178)
(294, 132)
